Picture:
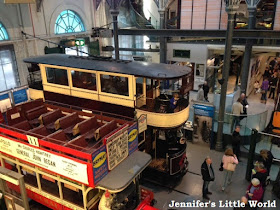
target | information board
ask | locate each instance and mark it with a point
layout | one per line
(203, 110)
(60, 165)
(20, 96)
(142, 123)
(117, 148)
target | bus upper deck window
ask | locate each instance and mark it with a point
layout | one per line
(84, 80)
(57, 76)
(114, 84)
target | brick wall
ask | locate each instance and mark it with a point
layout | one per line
(213, 14)
(277, 17)
(186, 14)
(199, 12)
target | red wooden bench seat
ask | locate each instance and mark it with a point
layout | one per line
(77, 143)
(87, 128)
(59, 137)
(41, 130)
(105, 129)
(14, 116)
(24, 125)
(48, 119)
(68, 122)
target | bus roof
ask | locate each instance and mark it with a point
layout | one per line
(141, 69)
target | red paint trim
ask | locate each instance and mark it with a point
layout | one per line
(90, 176)
(49, 144)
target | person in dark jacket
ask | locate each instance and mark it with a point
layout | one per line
(261, 174)
(244, 102)
(236, 141)
(266, 158)
(272, 84)
(205, 90)
(208, 175)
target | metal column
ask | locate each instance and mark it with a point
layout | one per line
(162, 40)
(252, 8)
(115, 14)
(251, 155)
(231, 9)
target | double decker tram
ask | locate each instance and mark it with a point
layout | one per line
(155, 94)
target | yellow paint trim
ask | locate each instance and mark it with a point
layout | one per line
(57, 89)
(84, 94)
(165, 120)
(35, 94)
(115, 100)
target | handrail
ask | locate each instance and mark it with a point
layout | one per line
(269, 134)
(242, 115)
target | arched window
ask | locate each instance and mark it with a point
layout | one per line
(3, 33)
(68, 22)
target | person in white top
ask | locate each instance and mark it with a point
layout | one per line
(229, 163)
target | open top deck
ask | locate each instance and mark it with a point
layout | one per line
(71, 142)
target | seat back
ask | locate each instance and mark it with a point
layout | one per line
(14, 116)
(41, 130)
(36, 112)
(66, 121)
(31, 104)
(50, 117)
(105, 129)
(78, 141)
(85, 126)
(58, 135)
(24, 125)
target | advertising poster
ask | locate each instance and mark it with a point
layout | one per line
(117, 148)
(100, 165)
(142, 123)
(132, 138)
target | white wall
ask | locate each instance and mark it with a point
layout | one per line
(198, 55)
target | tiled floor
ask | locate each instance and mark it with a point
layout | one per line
(190, 188)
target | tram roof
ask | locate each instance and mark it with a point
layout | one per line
(141, 69)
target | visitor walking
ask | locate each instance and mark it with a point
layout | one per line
(208, 176)
(229, 164)
(264, 87)
(237, 109)
(244, 103)
(272, 83)
(236, 142)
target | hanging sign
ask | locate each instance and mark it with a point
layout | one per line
(142, 123)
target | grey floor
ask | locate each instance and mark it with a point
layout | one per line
(190, 188)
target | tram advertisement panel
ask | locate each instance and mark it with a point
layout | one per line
(117, 147)
(132, 138)
(100, 165)
(60, 165)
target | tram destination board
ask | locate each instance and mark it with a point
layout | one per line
(52, 162)
(117, 148)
